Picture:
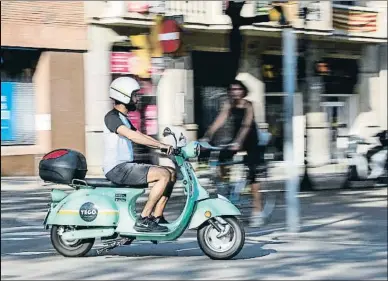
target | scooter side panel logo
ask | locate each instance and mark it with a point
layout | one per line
(88, 212)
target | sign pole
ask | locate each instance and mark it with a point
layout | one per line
(289, 81)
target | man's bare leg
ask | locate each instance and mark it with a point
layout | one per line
(161, 205)
(257, 206)
(161, 177)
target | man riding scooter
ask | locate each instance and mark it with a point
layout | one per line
(118, 166)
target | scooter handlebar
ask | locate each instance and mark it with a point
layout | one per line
(174, 151)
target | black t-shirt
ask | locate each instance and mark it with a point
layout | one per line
(113, 121)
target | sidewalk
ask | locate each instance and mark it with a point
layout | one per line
(276, 172)
(35, 183)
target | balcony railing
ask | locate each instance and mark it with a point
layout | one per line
(194, 12)
(199, 12)
(318, 18)
(324, 16)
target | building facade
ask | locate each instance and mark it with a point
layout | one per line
(42, 81)
(350, 37)
(58, 58)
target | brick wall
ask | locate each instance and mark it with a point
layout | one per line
(43, 24)
(67, 101)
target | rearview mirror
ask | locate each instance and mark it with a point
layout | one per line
(166, 132)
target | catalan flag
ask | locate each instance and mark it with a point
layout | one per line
(354, 21)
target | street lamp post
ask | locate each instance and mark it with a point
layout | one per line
(289, 81)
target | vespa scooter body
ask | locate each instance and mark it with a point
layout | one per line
(108, 211)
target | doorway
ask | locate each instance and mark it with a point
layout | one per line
(212, 74)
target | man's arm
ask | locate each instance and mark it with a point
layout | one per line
(148, 137)
(139, 138)
(152, 139)
(115, 125)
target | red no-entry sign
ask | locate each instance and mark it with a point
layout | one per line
(169, 36)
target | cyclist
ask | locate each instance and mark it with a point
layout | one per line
(244, 138)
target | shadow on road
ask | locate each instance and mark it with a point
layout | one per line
(251, 250)
(343, 236)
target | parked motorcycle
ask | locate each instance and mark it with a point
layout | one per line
(97, 208)
(368, 163)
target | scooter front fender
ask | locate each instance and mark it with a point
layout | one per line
(210, 208)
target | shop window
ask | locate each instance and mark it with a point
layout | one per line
(274, 116)
(341, 76)
(18, 96)
(272, 73)
(18, 64)
(212, 74)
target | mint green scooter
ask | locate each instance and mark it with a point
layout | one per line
(99, 209)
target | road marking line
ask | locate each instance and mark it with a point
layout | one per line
(18, 239)
(188, 249)
(32, 233)
(10, 229)
(29, 253)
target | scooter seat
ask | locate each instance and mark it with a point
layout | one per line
(102, 182)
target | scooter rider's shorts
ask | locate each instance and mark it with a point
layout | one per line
(129, 174)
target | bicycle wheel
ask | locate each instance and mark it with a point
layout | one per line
(243, 199)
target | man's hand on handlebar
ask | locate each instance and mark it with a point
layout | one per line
(165, 148)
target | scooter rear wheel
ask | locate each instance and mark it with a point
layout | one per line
(76, 248)
(221, 248)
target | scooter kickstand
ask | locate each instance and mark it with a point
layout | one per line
(113, 244)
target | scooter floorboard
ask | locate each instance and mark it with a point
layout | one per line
(148, 235)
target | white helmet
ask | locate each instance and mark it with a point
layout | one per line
(121, 89)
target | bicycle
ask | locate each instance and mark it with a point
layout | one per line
(234, 186)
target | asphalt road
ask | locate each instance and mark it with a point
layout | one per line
(343, 236)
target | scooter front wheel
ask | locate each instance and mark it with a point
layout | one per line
(221, 241)
(73, 248)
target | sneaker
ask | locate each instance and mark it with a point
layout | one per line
(257, 220)
(148, 225)
(160, 220)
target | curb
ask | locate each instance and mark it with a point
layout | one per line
(21, 178)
